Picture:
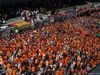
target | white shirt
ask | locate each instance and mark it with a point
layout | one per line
(39, 73)
(61, 64)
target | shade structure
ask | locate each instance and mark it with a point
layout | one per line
(64, 13)
(97, 34)
(14, 24)
(53, 15)
(80, 10)
(85, 32)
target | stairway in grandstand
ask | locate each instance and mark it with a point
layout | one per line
(95, 70)
(2, 72)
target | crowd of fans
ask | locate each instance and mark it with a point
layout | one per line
(25, 14)
(28, 15)
(57, 49)
(3, 18)
(8, 14)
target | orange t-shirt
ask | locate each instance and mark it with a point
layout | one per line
(61, 72)
(33, 69)
(8, 65)
(51, 61)
(6, 73)
(20, 69)
(41, 62)
(36, 61)
(14, 72)
(57, 72)
(39, 66)
(10, 71)
(78, 63)
(83, 71)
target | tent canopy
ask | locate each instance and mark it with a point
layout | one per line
(53, 15)
(64, 13)
(85, 32)
(97, 34)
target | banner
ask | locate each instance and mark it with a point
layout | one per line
(21, 25)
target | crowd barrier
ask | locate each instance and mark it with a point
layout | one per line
(52, 20)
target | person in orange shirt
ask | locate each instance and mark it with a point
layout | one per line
(6, 74)
(8, 66)
(51, 61)
(14, 71)
(39, 66)
(33, 70)
(10, 71)
(57, 72)
(36, 61)
(61, 72)
(83, 71)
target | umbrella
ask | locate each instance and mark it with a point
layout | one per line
(85, 32)
(97, 34)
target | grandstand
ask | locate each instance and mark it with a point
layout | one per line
(66, 43)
